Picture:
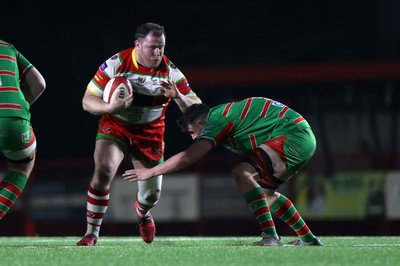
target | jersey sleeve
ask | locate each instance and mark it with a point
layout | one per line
(180, 80)
(216, 129)
(103, 74)
(23, 64)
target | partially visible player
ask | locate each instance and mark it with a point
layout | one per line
(276, 143)
(20, 85)
(133, 126)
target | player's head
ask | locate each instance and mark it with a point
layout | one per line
(150, 44)
(193, 118)
(143, 30)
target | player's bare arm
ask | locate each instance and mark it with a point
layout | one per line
(95, 105)
(170, 90)
(177, 162)
(33, 85)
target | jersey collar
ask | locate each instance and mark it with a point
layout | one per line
(134, 58)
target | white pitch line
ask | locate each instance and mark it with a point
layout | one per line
(376, 245)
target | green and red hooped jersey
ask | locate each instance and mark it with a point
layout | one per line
(13, 68)
(149, 103)
(243, 125)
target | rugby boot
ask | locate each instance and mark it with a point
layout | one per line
(298, 242)
(268, 241)
(88, 240)
(147, 227)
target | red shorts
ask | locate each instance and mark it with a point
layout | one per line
(143, 141)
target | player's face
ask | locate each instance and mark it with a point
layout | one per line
(150, 50)
(195, 129)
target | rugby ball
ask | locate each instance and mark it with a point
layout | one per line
(116, 84)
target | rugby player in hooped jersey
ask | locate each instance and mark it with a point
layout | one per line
(133, 125)
(21, 84)
(276, 143)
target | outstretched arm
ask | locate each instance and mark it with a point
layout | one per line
(170, 90)
(177, 162)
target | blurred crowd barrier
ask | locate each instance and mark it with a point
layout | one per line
(205, 201)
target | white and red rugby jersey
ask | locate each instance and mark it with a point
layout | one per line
(149, 103)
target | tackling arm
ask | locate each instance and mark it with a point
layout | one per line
(177, 162)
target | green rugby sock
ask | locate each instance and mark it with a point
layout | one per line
(258, 205)
(10, 188)
(284, 209)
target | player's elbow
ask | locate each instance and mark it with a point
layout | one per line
(40, 86)
(87, 102)
(185, 161)
(36, 80)
(85, 105)
(33, 85)
(197, 100)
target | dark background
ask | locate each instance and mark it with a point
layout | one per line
(68, 40)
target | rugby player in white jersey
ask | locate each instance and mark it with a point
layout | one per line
(133, 126)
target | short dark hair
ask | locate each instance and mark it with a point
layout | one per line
(197, 110)
(143, 30)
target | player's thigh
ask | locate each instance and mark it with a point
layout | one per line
(16, 135)
(279, 167)
(245, 176)
(18, 143)
(299, 148)
(108, 155)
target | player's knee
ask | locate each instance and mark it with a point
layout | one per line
(105, 172)
(237, 172)
(271, 194)
(153, 196)
(243, 171)
(150, 197)
(102, 178)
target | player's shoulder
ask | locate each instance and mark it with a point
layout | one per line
(4, 43)
(8, 49)
(169, 64)
(127, 51)
(166, 61)
(122, 55)
(118, 58)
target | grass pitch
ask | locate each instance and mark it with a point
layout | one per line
(193, 251)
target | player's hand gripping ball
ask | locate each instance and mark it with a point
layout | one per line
(116, 84)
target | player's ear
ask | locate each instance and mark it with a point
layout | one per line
(136, 43)
(202, 121)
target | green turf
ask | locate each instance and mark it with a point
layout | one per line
(190, 251)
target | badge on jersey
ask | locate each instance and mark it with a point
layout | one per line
(140, 80)
(103, 67)
(26, 136)
(278, 104)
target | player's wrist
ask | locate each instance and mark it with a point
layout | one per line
(178, 95)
